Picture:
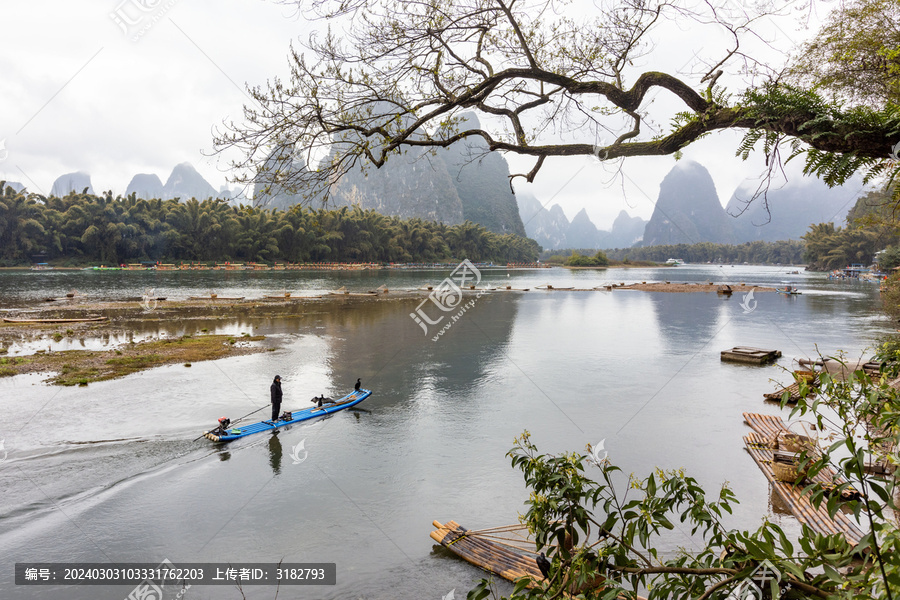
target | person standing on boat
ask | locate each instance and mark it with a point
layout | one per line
(275, 390)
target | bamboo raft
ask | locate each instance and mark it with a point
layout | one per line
(754, 356)
(793, 392)
(767, 427)
(759, 446)
(72, 320)
(506, 551)
(215, 297)
(498, 550)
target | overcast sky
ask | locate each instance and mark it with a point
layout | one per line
(113, 88)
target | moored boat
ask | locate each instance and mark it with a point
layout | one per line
(789, 289)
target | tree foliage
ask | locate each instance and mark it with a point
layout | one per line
(787, 252)
(871, 227)
(597, 260)
(104, 229)
(394, 75)
(856, 54)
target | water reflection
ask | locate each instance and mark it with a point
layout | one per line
(391, 354)
(275, 453)
(688, 320)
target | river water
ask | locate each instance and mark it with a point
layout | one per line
(112, 472)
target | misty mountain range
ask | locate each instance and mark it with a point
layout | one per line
(552, 230)
(466, 183)
(184, 182)
(688, 211)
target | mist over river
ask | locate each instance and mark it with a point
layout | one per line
(113, 472)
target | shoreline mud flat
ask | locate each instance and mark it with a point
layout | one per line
(123, 312)
(694, 287)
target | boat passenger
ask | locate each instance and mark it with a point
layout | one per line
(275, 391)
(222, 429)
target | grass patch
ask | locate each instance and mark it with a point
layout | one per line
(13, 360)
(81, 367)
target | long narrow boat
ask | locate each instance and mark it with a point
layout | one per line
(314, 412)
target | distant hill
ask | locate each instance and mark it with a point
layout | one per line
(582, 233)
(626, 231)
(414, 184)
(456, 184)
(15, 185)
(552, 230)
(185, 182)
(146, 186)
(688, 210)
(547, 227)
(791, 209)
(269, 187)
(71, 182)
(481, 179)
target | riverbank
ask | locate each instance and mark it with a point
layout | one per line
(81, 367)
(694, 287)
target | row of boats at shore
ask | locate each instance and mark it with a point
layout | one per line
(301, 266)
(316, 266)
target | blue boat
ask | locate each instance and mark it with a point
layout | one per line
(314, 412)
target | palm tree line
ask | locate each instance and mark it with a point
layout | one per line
(87, 228)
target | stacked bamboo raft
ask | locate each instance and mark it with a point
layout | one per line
(767, 428)
(759, 445)
(499, 550)
(753, 356)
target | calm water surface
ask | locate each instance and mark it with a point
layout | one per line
(112, 472)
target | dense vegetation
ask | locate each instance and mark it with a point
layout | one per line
(597, 260)
(788, 252)
(108, 230)
(870, 228)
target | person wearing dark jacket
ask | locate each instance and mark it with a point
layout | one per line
(275, 389)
